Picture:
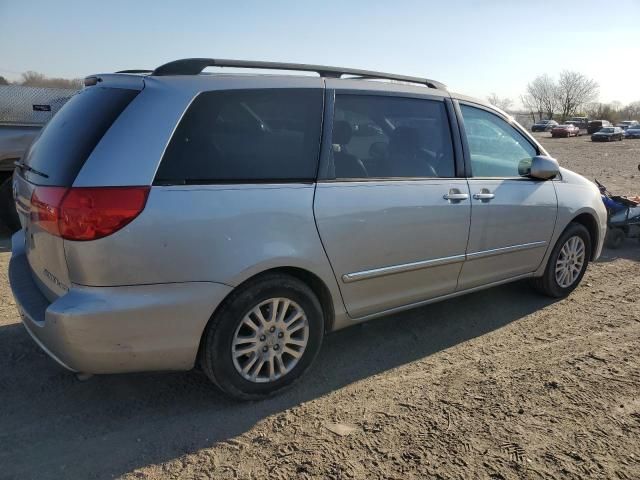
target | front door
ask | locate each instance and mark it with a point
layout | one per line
(392, 215)
(512, 216)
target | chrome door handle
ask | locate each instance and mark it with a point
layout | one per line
(456, 197)
(483, 196)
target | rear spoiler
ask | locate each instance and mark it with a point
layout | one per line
(115, 80)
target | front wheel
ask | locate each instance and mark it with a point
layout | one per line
(263, 338)
(567, 263)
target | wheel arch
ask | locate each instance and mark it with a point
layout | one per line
(318, 286)
(591, 224)
(313, 281)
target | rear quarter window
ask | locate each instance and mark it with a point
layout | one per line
(246, 136)
(68, 139)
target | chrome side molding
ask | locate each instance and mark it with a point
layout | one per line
(500, 251)
(436, 262)
(406, 267)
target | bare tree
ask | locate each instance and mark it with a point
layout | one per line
(544, 93)
(36, 79)
(614, 111)
(502, 103)
(574, 90)
(533, 104)
(3, 81)
(632, 111)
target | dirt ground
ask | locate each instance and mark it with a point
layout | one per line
(501, 384)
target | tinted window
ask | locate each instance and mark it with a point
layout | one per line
(69, 138)
(246, 135)
(496, 148)
(390, 137)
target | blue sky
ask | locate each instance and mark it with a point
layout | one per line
(476, 47)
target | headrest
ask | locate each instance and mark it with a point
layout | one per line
(342, 132)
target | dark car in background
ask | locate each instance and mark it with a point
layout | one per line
(632, 132)
(581, 122)
(565, 130)
(627, 124)
(608, 134)
(595, 125)
(543, 126)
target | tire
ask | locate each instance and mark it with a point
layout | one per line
(614, 239)
(217, 348)
(8, 214)
(548, 283)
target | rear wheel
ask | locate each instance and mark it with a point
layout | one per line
(263, 338)
(8, 214)
(567, 263)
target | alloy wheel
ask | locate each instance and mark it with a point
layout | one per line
(570, 261)
(270, 340)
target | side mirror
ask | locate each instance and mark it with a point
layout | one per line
(540, 166)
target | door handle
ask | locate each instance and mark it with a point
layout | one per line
(484, 195)
(455, 195)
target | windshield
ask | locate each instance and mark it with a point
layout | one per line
(606, 130)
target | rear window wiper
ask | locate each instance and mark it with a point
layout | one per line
(26, 167)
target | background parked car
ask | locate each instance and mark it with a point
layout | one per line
(565, 130)
(543, 126)
(632, 132)
(581, 122)
(595, 125)
(608, 134)
(627, 123)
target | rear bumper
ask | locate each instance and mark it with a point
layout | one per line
(115, 329)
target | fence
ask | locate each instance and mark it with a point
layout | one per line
(31, 105)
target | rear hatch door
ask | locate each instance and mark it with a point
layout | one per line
(49, 169)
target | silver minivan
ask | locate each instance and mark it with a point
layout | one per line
(174, 218)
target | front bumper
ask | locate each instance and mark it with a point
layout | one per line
(115, 329)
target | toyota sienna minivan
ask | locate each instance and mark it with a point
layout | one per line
(175, 218)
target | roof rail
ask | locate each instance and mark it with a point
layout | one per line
(194, 66)
(135, 71)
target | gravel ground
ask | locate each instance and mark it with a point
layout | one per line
(501, 384)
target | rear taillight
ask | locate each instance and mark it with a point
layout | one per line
(45, 207)
(86, 213)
